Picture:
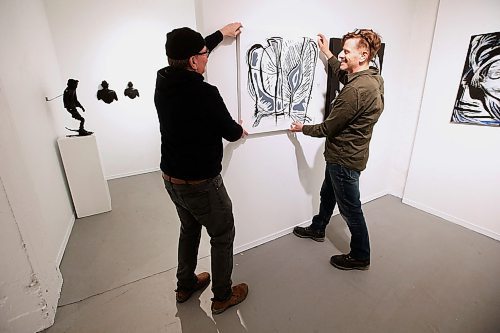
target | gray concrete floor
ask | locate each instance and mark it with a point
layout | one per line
(427, 275)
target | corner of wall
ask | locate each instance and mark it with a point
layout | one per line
(64, 242)
(425, 10)
(42, 293)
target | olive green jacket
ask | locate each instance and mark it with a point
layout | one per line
(353, 113)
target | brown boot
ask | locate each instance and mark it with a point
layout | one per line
(183, 295)
(239, 294)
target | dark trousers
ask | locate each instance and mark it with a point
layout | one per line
(206, 204)
(76, 115)
(341, 186)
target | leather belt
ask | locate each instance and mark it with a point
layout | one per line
(178, 181)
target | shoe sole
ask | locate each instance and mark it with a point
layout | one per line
(216, 312)
(311, 237)
(201, 288)
(361, 268)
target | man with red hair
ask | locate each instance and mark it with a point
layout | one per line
(348, 131)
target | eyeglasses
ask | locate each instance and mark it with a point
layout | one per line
(207, 52)
(360, 33)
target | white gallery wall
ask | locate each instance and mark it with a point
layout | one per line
(274, 179)
(29, 71)
(455, 168)
(116, 41)
(35, 208)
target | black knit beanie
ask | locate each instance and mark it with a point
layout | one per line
(183, 43)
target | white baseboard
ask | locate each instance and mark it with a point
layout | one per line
(394, 194)
(64, 243)
(268, 238)
(453, 219)
(133, 173)
(373, 197)
(286, 231)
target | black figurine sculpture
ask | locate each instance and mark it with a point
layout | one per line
(71, 103)
(131, 92)
(107, 95)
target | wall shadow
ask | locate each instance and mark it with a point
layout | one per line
(228, 153)
(232, 146)
(310, 177)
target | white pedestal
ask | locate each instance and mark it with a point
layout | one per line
(82, 165)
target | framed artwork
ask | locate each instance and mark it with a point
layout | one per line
(478, 97)
(333, 86)
(276, 81)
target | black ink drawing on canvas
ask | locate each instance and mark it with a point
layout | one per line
(333, 86)
(280, 81)
(478, 97)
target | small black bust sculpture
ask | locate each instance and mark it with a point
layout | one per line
(107, 95)
(131, 92)
(71, 103)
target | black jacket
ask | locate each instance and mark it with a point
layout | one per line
(70, 100)
(193, 120)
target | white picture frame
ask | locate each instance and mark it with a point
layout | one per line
(276, 81)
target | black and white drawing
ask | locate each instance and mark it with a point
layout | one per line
(478, 97)
(333, 86)
(279, 83)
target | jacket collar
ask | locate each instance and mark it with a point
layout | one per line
(369, 71)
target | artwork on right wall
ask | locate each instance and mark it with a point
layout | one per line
(478, 97)
(334, 86)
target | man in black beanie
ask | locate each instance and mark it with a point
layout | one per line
(193, 121)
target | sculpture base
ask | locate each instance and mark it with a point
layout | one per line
(82, 164)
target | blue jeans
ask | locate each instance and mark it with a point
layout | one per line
(206, 204)
(341, 186)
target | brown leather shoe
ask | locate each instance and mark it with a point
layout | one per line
(239, 294)
(183, 295)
